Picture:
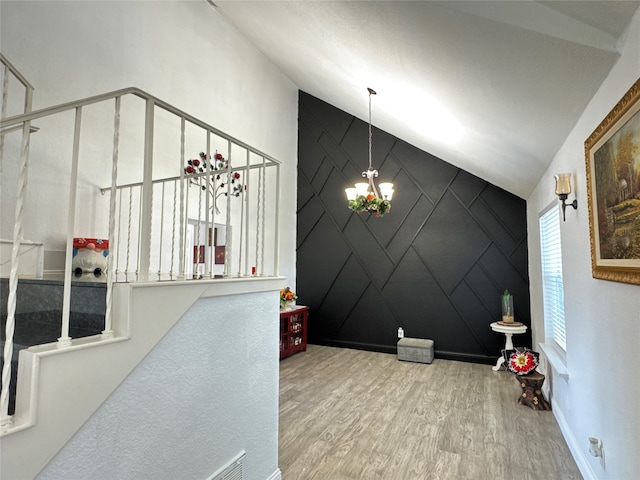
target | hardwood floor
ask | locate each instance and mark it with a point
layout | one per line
(350, 414)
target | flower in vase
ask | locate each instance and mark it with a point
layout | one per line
(287, 296)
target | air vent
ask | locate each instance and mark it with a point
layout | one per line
(232, 470)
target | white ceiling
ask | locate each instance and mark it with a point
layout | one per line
(493, 87)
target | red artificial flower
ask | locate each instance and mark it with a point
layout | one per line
(370, 197)
(189, 169)
(522, 362)
(236, 175)
(196, 162)
(219, 156)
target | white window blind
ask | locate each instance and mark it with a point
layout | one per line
(552, 287)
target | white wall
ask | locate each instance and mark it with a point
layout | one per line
(601, 397)
(182, 52)
(189, 407)
(208, 391)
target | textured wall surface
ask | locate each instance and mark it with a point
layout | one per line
(435, 265)
(206, 392)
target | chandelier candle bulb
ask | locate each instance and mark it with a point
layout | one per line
(386, 190)
(362, 189)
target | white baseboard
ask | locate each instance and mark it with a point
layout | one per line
(277, 475)
(574, 446)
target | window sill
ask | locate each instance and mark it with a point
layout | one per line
(556, 360)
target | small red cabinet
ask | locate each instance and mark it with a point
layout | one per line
(293, 330)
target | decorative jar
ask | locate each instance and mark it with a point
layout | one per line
(507, 307)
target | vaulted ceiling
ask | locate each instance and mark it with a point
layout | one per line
(493, 87)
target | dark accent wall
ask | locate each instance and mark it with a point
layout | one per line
(435, 265)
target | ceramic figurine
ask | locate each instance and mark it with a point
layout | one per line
(90, 256)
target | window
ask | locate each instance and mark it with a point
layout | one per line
(552, 287)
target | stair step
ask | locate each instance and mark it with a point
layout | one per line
(38, 315)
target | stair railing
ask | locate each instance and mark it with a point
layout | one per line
(147, 200)
(9, 71)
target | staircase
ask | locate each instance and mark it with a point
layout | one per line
(93, 335)
(39, 312)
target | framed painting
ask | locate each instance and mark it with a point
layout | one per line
(612, 155)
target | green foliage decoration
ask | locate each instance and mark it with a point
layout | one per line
(370, 204)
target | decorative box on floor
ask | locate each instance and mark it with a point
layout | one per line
(415, 350)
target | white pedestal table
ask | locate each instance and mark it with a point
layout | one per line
(508, 331)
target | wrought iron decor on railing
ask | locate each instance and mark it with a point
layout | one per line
(211, 249)
(163, 222)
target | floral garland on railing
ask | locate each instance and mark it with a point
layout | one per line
(220, 176)
(373, 205)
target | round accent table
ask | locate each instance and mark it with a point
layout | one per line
(508, 332)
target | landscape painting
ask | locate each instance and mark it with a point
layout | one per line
(613, 183)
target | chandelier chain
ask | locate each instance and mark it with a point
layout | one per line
(371, 173)
(370, 137)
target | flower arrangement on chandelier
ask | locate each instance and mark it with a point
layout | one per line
(216, 181)
(287, 296)
(370, 203)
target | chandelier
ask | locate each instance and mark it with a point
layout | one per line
(364, 196)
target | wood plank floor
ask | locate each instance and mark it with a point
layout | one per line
(350, 414)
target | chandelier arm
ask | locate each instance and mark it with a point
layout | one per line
(373, 187)
(371, 174)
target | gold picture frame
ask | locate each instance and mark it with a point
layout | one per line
(612, 154)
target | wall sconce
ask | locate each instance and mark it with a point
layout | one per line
(563, 189)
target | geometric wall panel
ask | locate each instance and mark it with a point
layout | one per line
(435, 265)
